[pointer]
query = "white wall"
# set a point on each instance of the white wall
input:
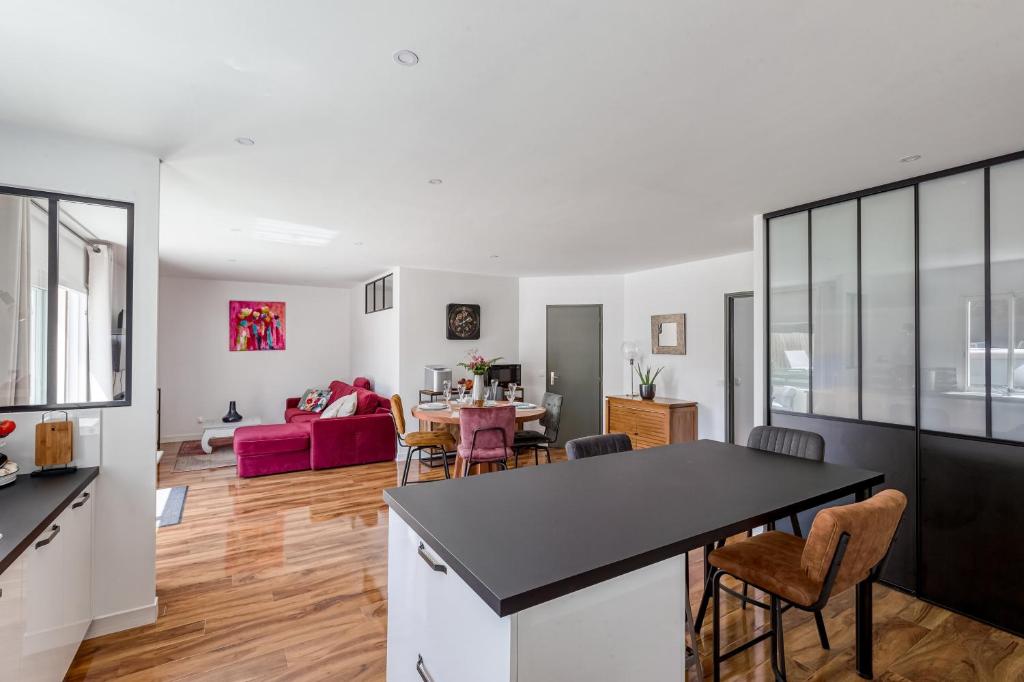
(697, 289)
(536, 293)
(124, 590)
(198, 375)
(424, 297)
(375, 351)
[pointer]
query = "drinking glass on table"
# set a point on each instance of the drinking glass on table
(446, 391)
(462, 392)
(494, 394)
(510, 394)
(513, 386)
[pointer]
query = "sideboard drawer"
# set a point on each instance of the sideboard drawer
(651, 423)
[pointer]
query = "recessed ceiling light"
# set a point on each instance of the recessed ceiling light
(232, 260)
(406, 58)
(236, 229)
(357, 243)
(245, 141)
(910, 159)
(434, 181)
(494, 255)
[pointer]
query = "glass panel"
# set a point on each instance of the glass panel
(389, 286)
(787, 309)
(952, 270)
(92, 278)
(1006, 197)
(369, 298)
(834, 309)
(887, 306)
(24, 281)
(378, 294)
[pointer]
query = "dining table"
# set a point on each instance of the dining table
(432, 418)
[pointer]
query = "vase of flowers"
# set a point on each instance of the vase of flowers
(647, 376)
(477, 365)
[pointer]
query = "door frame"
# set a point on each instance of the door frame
(730, 386)
(600, 352)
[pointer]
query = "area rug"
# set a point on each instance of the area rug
(170, 503)
(192, 458)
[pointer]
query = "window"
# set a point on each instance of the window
(788, 313)
(380, 294)
(65, 297)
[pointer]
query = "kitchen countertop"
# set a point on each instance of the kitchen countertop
(522, 537)
(29, 505)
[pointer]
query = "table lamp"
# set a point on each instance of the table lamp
(630, 353)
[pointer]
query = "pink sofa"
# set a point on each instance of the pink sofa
(305, 441)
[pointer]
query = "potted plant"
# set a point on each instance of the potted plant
(477, 365)
(647, 376)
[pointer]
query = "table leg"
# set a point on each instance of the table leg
(205, 444)
(865, 625)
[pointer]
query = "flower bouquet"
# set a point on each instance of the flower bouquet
(477, 365)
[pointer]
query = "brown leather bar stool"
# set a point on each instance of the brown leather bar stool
(846, 545)
(416, 441)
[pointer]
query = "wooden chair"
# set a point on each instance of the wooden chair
(417, 441)
(846, 545)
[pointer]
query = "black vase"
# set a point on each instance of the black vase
(233, 416)
(647, 391)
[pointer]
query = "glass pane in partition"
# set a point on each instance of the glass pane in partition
(1006, 214)
(369, 297)
(887, 306)
(834, 309)
(952, 271)
(389, 291)
(91, 300)
(24, 301)
(790, 351)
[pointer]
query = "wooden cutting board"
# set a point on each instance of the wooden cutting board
(54, 443)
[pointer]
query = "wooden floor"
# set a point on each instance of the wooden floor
(284, 578)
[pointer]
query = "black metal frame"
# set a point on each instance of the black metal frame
(372, 284)
(913, 183)
(418, 449)
(53, 273)
(730, 383)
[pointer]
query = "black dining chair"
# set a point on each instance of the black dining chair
(541, 440)
(594, 446)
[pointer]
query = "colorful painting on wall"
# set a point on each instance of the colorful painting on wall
(256, 325)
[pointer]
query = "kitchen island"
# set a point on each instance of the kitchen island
(575, 570)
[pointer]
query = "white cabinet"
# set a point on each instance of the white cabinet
(12, 620)
(439, 630)
(57, 598)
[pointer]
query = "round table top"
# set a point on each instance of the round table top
(450, 415)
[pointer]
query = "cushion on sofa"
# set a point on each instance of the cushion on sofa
(339, 389)
(345, 407)
(271, 439)
(366, 401)
(362, 382)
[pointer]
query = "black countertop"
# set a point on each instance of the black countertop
(523, 537)
(29, 505)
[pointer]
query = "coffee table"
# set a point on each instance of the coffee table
(215, 428)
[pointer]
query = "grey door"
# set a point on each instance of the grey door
(739, 380)
(574, 367)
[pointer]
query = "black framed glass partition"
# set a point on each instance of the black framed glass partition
(895, 328)
(65, 301)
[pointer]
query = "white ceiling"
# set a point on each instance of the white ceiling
(571, 137)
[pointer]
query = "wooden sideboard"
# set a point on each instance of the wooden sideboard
(650, 423)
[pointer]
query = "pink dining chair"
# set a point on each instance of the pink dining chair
(486, 435)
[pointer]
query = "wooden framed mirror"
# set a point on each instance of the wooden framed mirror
(668, 334)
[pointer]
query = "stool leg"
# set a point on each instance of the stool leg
(822, 635)
(444, 457)
(716, 660)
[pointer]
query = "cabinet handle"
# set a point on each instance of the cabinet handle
(85, 498)
(421, 668)
(53, 533)
(440, 568)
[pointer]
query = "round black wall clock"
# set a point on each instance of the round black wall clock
(463, 321)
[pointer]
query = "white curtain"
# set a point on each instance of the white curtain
(101, 372)
(15, 300)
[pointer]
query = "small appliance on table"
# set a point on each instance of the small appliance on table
(217, 428)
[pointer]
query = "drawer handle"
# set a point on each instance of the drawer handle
(85, 498)
(53, 533)
(440, 568)
(421, 668)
